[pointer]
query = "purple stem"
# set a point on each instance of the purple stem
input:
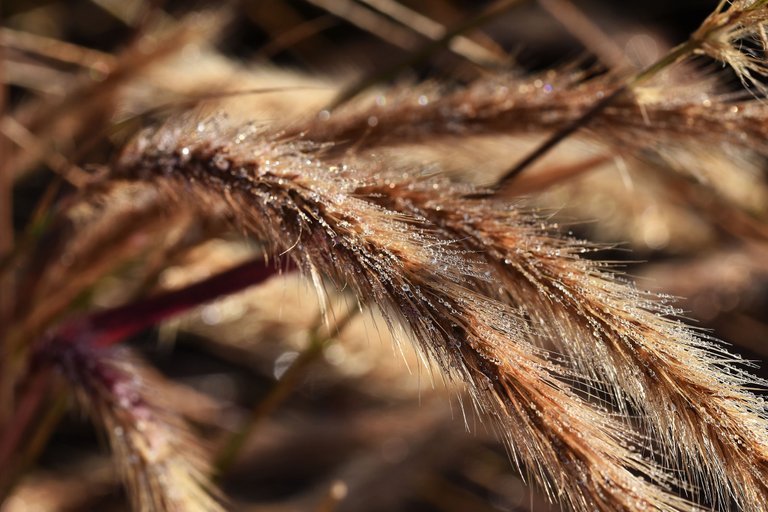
(111, 326)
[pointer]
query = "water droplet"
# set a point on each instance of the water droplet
(283, 362)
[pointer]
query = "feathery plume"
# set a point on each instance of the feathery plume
(159, 460)
(510, 105)
(336, 220)
(735, 34)
(628, 340)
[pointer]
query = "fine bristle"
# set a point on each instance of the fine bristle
(159, 459)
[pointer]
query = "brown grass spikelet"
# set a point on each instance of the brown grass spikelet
(336, 220)
(158, 458)
(735, 34)
(627, 339)
(714, 137)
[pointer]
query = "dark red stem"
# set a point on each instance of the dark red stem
(111, 326)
